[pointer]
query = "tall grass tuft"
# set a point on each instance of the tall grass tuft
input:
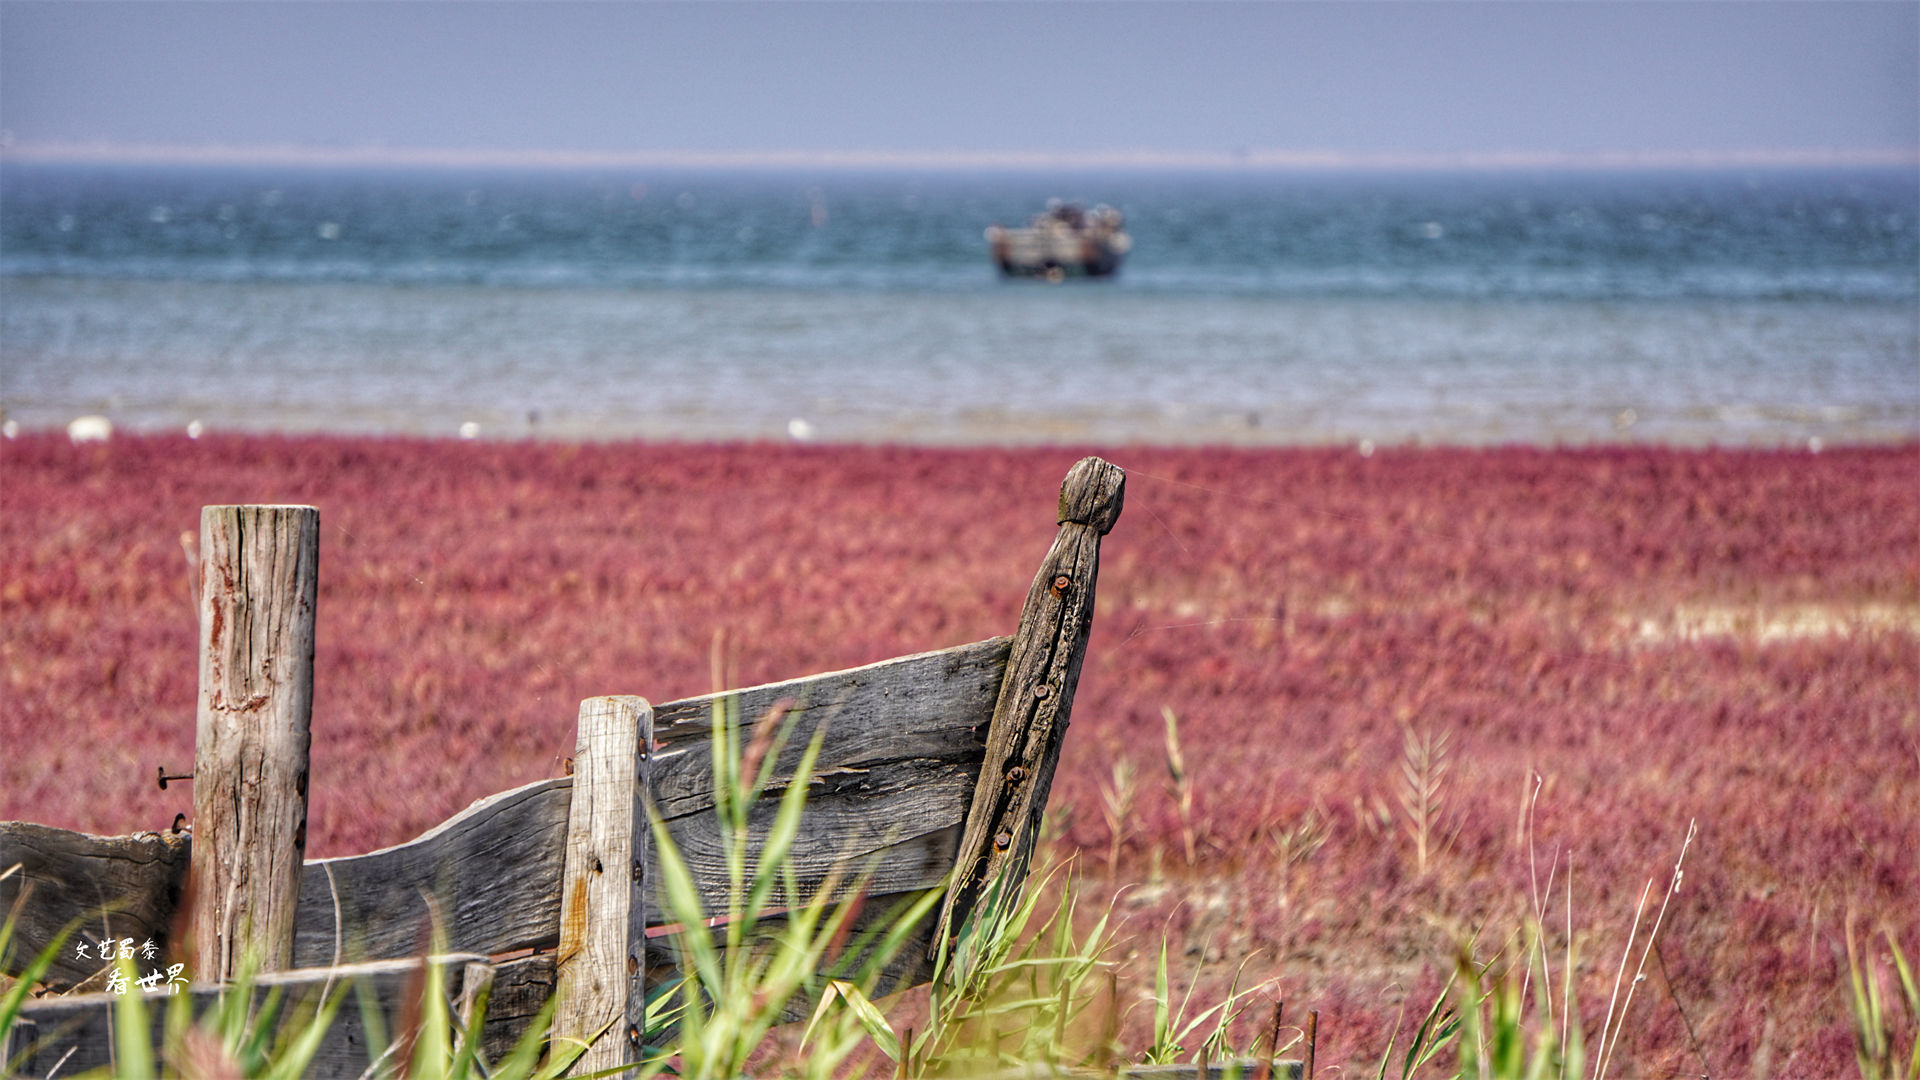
(776, 947)
(1180, 783)
(1116, 808)
(1877, 1030)
(1423, 774)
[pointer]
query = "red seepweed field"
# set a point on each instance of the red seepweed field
(1375, 663)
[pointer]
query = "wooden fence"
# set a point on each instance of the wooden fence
(936, 768)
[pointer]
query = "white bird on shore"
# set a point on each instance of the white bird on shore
(90, 429)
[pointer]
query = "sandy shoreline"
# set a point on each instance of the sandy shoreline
(994, 367)
(1790, 428)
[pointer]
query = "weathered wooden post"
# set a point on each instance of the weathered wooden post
(259, 578)
(602, 959)
(1036, 696)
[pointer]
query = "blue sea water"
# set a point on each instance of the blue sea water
(1769, 307)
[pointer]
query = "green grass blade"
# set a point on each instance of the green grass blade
(132, 1029)
(786, 828)
(432, 1041)
(16, 996)
(521, 1060)
(297, 1058)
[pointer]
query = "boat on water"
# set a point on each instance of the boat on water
(1064, 241)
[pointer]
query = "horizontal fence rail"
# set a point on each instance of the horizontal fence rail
(885, 808)
(70, 1035)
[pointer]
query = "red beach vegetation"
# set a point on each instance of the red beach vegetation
(1410, 696)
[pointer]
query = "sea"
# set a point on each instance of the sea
(1769, 307)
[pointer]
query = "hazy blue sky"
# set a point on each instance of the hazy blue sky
(1580, 76)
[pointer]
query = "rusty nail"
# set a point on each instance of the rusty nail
(633, 1034)
(639, 871)
(177, 819)
(1003, 839)
(1062, 583)
(1042, 691)
(569, 766)
(161, 772)
(1016, 774)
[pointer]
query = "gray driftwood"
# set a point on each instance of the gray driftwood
(259, 579)
(103, 888)
(1036, 697)
(900, 761)
(890, 789)
(492, 871)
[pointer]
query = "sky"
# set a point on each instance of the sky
(1425, 80)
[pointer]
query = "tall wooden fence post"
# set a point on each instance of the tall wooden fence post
(1036, 696)
(602, 960)
(259, 579)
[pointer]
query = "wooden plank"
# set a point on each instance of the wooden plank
(75, 1033)
(520, 990)
(603, 897)
(923, 706)
(910, 965)
(259, 580)
(895, 779)
(72, 878)
(492, 871)
(1036, 698)
(892, 782)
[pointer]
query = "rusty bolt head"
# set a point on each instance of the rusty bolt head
(1003, 839)
(1061, 583)
(1042, 691)
(1016, 774)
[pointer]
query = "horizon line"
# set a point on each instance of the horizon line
(65, 152)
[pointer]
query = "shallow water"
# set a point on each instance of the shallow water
(1682, 309)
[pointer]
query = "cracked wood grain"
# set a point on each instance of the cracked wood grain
(258, 586)
(1035, 700)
